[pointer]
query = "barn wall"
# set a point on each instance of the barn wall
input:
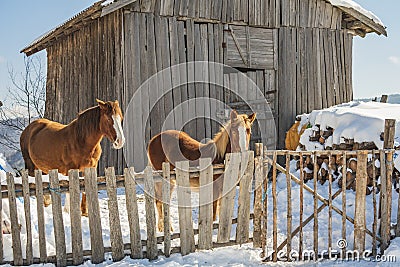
(86, 65)
(315, 71)
(265, 13)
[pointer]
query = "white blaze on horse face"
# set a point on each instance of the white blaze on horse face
(242, 138)
(120, 141)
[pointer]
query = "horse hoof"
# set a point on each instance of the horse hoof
(85, 214)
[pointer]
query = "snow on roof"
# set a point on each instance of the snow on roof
(353, 5)
(361, 121)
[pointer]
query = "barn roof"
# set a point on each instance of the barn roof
(356, 18)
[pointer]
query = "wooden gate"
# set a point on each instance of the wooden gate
(319, 194)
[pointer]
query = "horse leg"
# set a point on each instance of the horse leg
(46, 200)
(67, 203)
(84, 207)
(217, 192)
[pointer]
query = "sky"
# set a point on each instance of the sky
(376, 59)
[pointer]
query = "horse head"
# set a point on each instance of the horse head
(240, 131)
(110, 122)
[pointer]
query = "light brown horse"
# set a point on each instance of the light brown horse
(173, 146)
(48, 145)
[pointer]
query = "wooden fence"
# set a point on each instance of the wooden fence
(362, 224)
(236, 170)
(261, 172)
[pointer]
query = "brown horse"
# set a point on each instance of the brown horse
(173, 146)
(48, 145)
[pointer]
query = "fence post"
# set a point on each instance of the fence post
(359, 215)
(259, 176)
(15, 231)
(40, 214)
(75, 215)
(28, 224)
(58, 222)
(117, 245)
(133, 214)
(151, 247)
(96, 237)
(386, 182)
(166, 193)
(243, 220)
(206, 204)
(230, 179)
(184, 207)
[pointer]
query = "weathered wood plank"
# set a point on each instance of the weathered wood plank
(242, 229)
(330, 234)
(28, 220)
(96, 239)
(15, 231)
(58, 222)
(232, 164)
(75, 215)
(151, 247)
(117, 244)
(344, 188)
(360, 212)
(205, 204)
(274, 210)
(133, 214)
(315, 226)
(40, 214)
(258, 176)
(166, 192)
(289, 206)
(184, 207)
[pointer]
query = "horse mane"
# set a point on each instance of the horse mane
(87, 122)
(221, 140)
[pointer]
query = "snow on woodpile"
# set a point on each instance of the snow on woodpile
(359, 122)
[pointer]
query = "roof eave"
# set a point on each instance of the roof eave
(374, 26)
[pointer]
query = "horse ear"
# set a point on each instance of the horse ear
(233, 115)
(101, 103)
(252, 117)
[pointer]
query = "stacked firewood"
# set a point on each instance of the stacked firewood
(324, 138)
(336, 170)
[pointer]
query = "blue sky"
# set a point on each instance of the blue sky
(376, 59)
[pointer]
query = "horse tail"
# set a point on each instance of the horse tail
(155, 152)
(24, 141)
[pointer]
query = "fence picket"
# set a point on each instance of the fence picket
(258, 175)
(28, 224)
(184, 207)
(230, 179)
(58, 222)
(205, 203)
(359, 214)
(166, 192)
(133, 214)
(96, 238)
(243, 217)
(75, 215)
(15, 231)
(151, 247)
(289, 206)
(40, 214)
(117, 244)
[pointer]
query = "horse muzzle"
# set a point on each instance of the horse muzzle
(119, 143)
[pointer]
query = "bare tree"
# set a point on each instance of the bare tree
(24, 103)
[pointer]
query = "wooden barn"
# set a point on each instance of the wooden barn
(298, 52)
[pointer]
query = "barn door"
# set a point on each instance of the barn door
(243, 97)
(253, 52)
